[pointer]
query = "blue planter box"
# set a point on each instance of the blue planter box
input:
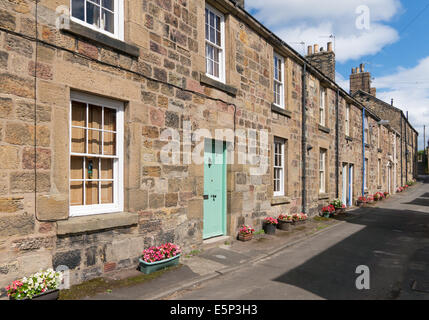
(148, 268)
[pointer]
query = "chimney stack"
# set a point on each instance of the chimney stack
(361, 80)
(310, 50)
(323, 60)
(240, 3)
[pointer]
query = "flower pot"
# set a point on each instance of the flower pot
(299, 222)
(284, 225)
(150, 267)
(48, 295)
(245, 236)
(269, 228)
(361, 204)
(339, 211)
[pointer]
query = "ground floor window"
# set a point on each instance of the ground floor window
(96, 155)
(322, 171)
(279, 162)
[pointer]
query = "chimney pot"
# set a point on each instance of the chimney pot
(362, 67)
(310, 50)
(316, 48)
(353, 70)
(329, 46)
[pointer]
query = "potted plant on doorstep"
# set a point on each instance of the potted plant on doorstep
(328, 211)
(270, 225)
(245, 233)
(157, 258)
(370, 199)
(302, 218)
(285, 222)
(400, 189)
(386, 194)
(42, 285)
(339, 206)
(361, 201)
(376, 197)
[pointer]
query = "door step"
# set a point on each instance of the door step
(216, 242)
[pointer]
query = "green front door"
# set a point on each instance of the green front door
(214, 188)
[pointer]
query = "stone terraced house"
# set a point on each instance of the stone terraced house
(103, 105)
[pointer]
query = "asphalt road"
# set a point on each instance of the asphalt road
(392, 240)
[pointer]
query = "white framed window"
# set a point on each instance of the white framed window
(322, 113)
(347, 124)
(366, 126)
(96, 155)
(279, 67)
(322, 171)
(366, 174)
(379, 172)
(215, 44)
(105, 16)
(279, 167)
(378, 136)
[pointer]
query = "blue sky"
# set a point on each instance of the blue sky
(393, 43)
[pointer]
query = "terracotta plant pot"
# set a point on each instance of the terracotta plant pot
(270, 228)
(361, 204)
(245, 236)
(284, 225)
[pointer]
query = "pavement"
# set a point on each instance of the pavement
(317, 261)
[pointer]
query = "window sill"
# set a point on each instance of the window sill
(96, 222)
(218, 85)
(100, 38)
(279, 110)
(349, 138)
(277, 200)
(323, 196)
(324, 129)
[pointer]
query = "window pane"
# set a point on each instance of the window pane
(91, 193)
(108, 21)
(109, 143)
(78, 114)
(93, 14)
(76, 168)
(92, 168)
(107, 192)
(94, 142)
(78, 140)
(109, 119)
(95, 119)
(109, 4)
(78, 10)
(76, 193)
(106, 168)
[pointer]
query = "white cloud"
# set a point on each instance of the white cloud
(410, 90)
(311, 21)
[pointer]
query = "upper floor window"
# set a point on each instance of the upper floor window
(322, 116)
(347, 124)
(215, 44)
(379, 136)
(279, 96)
(105, 16)
(96, 155)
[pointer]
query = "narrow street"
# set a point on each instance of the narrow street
(392, 240)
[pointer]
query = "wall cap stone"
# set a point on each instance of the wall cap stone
(96, 222)
(281, 111)
(100, 38)
(218, 85)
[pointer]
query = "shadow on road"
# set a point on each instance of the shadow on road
(394, 244)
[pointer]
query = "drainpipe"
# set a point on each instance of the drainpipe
(337, 145)
(304, 139)
(363, 153)
(402, 155)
